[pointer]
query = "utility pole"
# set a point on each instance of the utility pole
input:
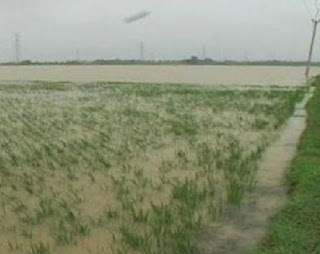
(141, 50)
(17, 47)
(315, 22)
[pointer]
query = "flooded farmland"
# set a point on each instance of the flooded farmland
(217, 75)
(131, 168)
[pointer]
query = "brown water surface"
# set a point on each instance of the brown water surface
(241, 229)
(217, 75)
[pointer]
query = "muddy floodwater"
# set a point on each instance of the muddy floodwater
(215, 75)
(242, 229)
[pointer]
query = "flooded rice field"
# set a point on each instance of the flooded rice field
(132, 168)
(241, 228)
(217, 75)
(103, 167)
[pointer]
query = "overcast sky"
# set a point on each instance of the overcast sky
(230, 29)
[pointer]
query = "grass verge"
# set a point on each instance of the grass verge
(296, 229)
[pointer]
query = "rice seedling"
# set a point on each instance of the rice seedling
(127, 168)
(40, 248)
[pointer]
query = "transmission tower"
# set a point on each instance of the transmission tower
(246, 56)
(204, 51)
(17, 47)
(77, 52)
(141, 50)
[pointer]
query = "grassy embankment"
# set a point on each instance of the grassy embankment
(296, 229)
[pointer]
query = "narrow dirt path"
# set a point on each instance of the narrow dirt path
(241, 229)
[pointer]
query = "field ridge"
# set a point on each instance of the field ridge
(296, 228)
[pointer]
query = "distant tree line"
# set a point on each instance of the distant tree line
(193, 60)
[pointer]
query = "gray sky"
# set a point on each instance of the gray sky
(230, 29)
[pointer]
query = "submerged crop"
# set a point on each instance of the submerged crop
(126, 168)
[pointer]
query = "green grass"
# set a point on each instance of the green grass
(296, 229)
(136, 168)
